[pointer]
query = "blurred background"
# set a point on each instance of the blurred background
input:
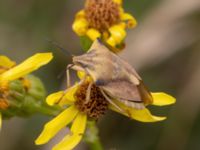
(164, 49)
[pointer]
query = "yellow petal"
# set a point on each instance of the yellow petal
(142, 115)
(79, 124)
(54, 98)
(105, 35)
(121, 10)
(93, 34)
(55, 125)
(69, 96)
(80, 26)
(63, 97)
(81, 74)
(111, 41)
(6, 62)
(29, 65)
(118, 33)
(80, 14)
(0, 121)
(129, 20)
(118, 1)
(162, 99)
(77, 130)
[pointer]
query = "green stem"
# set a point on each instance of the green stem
(96, 145)
(92, 136)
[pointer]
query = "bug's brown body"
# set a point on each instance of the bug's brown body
(114, 75)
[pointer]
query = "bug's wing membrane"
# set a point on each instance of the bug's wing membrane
(145, 94)
(131, 95)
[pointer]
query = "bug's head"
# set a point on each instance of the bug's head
(91, 58)
(83, 61)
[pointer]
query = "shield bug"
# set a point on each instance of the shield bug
(114, 76)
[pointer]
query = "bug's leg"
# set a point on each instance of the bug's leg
(111, 101)
(74, 67)
(77, 68)
(61, 98)
(132, 104)
(82, 80)
(68, 75)
(88, 92)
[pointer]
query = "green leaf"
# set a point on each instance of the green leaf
(85, 43)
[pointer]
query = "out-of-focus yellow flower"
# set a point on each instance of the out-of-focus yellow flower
(78, 111)
(104, 17)
(9, 71)
(29, 65)
(118, 1)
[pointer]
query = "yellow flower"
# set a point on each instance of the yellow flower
(71, 114)
(78, 111)
(9, 71)
(29, 65)
(104, 17)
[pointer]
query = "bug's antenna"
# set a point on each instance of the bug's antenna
(55, 44)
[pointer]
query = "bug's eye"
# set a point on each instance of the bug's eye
(100, 82)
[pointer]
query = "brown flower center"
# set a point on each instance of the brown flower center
(3, 97)
(97, 105)
(101, 14)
